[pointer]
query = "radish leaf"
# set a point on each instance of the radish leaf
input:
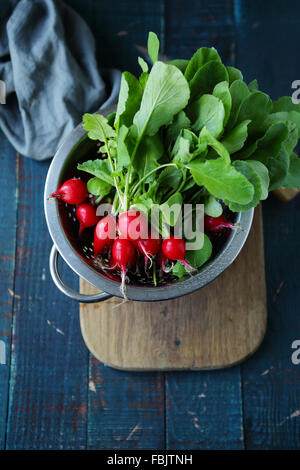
(207, 78)
(278, 169)
(207, 111)
(153, 46)
(234, 74)
(98, 127)
(129, 99)
(123, 159)
(206, 138)
(179, 270)
(222, 92)
(223, 181)
(99, 168)
(181, 64)
(292, 179)
(239, 92)
(212, 207)
(198, 257)
(244, 169)
(262, 172)
(165, 94)
(180, 121)
(98, 187)
(236, 138)
(143, 64)
(200, 58)
(171, 217)
(150, 151)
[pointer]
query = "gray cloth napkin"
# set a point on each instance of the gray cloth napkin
(48, 64)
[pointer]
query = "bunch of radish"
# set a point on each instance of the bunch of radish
(124, 236)
(216, 224)
(75, 193)
(134, 235)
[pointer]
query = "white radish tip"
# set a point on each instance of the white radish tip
(187, 266)
(169, 269)
(123, 284)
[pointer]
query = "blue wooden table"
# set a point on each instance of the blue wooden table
(53, 393)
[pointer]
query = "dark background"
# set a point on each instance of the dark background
(53, 393)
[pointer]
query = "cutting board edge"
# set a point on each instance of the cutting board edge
(175, 368)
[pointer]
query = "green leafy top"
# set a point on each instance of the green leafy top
(193, 131)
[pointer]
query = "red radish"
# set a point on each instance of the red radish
(149, 247)
(73, 192)
(86, 215)
(123, 253)
(113, 264)
(133, 225)
(162, 260)
(174, 249)
(105, 233)
(216, 224)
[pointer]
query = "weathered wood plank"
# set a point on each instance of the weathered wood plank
(48, 388)
(126, 410)
(204, 410)
(268, 35)
(121, 26)
(8, 216)
(271, 382)
(267, 38)
(193, 24)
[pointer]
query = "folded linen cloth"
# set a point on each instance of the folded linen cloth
(49, 67)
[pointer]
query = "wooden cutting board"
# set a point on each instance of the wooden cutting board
(218, 326)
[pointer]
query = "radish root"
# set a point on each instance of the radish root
(187, 266)
(123, 284)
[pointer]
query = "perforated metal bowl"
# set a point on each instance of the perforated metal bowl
(72, 150)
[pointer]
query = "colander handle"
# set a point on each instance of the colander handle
(87, 299)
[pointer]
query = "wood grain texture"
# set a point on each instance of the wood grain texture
(192, 24)
(204, 410)
(8, 216)
(271, 383)
(267, 33)
(126, 410)
(121, 27)
(49, 362)
(217, 326)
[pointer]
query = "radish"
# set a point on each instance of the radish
(123, 253)
(216, 224)
(149, 247)
(113, 264)
(73, 192)
(162, 260)
(86, 215)
(105, 233)
(132, 225)
(174, 250)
